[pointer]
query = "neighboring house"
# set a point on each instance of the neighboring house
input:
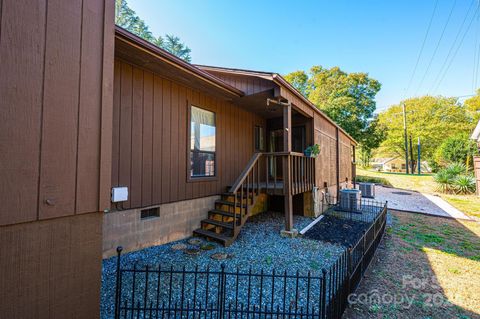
(87, 107)
(395, 165)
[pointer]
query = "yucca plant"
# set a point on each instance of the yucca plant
(444, 181)
(464, 184)
(455, 169)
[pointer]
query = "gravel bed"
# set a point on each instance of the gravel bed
(259, 247)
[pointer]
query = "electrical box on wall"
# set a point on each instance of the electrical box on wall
(119, 194)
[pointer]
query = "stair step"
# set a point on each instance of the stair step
(212, 235)
(222, 212)
(226, 202)
(218, 223)
(228, 194)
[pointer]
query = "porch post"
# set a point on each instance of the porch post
(287, 147)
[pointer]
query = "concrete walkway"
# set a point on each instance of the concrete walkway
(413, 201)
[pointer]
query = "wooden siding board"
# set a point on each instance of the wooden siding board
(22, 53)
(166, 142)
(117, 82)
(107, 106)
(157, 140)
(60, 109)
(174, 149)
(125, 131)
(88, 162)
(182, 143)
(137, 138)
(147, 142)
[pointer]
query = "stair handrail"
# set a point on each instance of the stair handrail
(246, 171)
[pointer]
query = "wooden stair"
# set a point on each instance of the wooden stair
(226, 220)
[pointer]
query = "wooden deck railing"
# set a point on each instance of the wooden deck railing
(245, 189)
(302, 172)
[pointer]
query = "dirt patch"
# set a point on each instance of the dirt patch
(336, 230)
(425, 267)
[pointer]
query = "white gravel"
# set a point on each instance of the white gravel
(413, 201)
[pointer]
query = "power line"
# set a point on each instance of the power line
(421, 48)
(458, 48)
(476, 58)
(452, 46)
(436, 47)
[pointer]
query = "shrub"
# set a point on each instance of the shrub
(456, 149)
(444, 181)
(372, 179)
(455, 169)
(464, 184)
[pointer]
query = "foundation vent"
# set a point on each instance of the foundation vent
(150, 213)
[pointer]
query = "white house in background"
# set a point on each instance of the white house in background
(388, 164)
(395, 165)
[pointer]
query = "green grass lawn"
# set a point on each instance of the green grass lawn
(469, 204)
(432, 262)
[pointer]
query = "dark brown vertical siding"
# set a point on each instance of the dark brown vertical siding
(56, 66)
(125, 134)
(157, 140)
(147, 142)
(155, 168)
(60, 109)
(137, 138)
(89, 123)
(117, 82)
(22, 54)
(325, 136)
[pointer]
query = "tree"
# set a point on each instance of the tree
(173, 45)
(458, 148)
(432, 119)
(347, 98)
(472, 106)
(126, 18)
(377, 134)
(299, 80)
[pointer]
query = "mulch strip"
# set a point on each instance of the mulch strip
(336, 230)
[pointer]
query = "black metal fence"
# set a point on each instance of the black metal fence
(156, 292)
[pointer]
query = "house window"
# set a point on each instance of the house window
(259, 139)
(202, 143)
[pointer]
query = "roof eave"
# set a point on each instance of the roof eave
(167, 57)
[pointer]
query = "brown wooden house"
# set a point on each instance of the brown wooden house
(202, 148)
(90, 111)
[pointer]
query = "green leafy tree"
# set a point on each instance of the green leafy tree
(173, 45)
(126, 18)
(432, 119)
(472, 107)
(299, 80)
(456, 149)
(347, 98)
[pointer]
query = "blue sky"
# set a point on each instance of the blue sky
(382, 38)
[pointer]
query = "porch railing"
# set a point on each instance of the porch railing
(301, 177)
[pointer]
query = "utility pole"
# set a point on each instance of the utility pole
(412, 164)
(418, 154)
(405, 136)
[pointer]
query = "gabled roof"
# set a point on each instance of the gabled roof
(279, 80)
(146, 54)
